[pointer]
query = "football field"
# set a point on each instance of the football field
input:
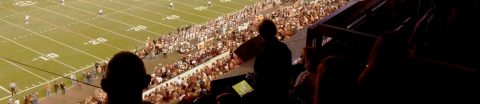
(67, 39)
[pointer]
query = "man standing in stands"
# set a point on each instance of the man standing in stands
(121, 89)
(272, 66)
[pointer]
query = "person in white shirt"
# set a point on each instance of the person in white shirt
(10, 101)
(27, 19)
(209, 3)
(73, 78)
(13, 88)
(62, 2)
(100, 12)
(171, 5)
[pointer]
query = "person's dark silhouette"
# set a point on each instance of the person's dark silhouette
(125, 79)
(272, 66)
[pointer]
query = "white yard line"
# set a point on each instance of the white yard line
(81, 51)
(25, 70)
(35, 51)
(94, 25)
(70, 31)
(102, 17)
(153, 12)
(133, 15)
(222, 5)
(35, 10)
(153, 3)
(41, 84)
(214, 11)
(4, 89)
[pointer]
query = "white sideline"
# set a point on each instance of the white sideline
(153, 12)
(67, 30)
(25, 70)
(4, 89)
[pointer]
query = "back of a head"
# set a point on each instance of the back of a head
(336, 79)
(125, 75)
(267, 29)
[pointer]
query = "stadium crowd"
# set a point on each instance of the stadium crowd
(228, 34)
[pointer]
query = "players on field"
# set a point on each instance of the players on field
(100, 12)
(27, 19)
(171, 5)
(209, 3)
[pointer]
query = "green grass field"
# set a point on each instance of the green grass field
(68, 39)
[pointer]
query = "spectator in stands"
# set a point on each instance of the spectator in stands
(228, 98)
(337, 78)
(125, 79)
(272, 66)
(306, 82)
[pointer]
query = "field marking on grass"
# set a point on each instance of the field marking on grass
(68, 30)
(25, 70)
(94, 25)
(213, 4)
(239, 3)
(133, 15)
(81, 51)
(39, 85)
(99, 17)
(96, 17)
(34, 10)
(21, 91)
(214, 11)
(4, 89)
(153, 3)
(153, 12)
(34, 51)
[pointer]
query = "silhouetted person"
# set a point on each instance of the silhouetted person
(125, 79)
(306, 82)
(272, 66)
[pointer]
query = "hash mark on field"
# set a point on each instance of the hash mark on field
(4, 89)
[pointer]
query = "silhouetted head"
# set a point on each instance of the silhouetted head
(125, 79)
(267, 30)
